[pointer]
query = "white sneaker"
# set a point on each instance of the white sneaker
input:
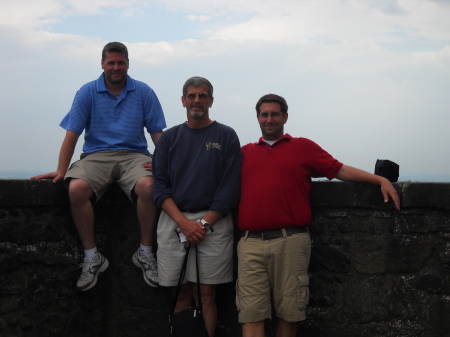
(149, 268)
(90, 272)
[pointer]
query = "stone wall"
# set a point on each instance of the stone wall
(374, 271)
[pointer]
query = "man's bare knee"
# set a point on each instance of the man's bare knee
(80, 190)
(143, 187)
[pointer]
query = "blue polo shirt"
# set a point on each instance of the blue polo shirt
(112, 123)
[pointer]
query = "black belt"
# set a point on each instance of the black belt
(276, 233)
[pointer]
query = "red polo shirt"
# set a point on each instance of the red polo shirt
(276, 181)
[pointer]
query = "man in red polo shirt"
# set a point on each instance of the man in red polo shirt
(274, 210)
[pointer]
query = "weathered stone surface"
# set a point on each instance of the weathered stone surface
(333, 193)
(407, 255)
(370, 196)
(426, 195)
(370, 256)
(437, 317)
(374, 271)
(436, 283)
(10, 303)
(331, 255)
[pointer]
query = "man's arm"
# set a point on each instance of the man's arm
(65, 156)
(155, 136)
(155, 139)
(348, 173)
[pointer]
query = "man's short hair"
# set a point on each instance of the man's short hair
(114, 47)
(197, 81)
(272, 98)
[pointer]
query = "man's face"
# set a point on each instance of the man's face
(271, 120)
(197, 101)
(115, 67)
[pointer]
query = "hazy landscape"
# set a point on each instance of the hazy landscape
(23, 174)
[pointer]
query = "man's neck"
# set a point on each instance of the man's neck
(115, 88)
(271, 141)
(200, 123)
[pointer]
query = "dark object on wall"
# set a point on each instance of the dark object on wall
(387, 169)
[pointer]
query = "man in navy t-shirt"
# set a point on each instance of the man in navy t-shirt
(197, 168)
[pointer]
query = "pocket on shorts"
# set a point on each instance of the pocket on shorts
(302, 291)
(238, 298)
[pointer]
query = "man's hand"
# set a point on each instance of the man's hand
(148, 166)
(53, 175)
(193, 230)
(349, 173)
(389, 191)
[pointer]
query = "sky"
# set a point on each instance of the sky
(365, 79)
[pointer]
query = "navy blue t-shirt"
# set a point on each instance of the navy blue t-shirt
(198, 168)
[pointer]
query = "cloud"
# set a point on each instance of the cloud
(29, 14)
(201, 18)
(362, 78)
(89, 7)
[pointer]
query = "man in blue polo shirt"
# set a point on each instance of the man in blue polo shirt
(113, 112)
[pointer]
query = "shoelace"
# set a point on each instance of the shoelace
(85, 267)
(147, 261)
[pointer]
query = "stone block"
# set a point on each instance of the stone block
(405, 255)
(444, 254)
(332, 193)
(10, 303)
(32, 192)
(333, 256)
(426, 195)
(370, 256)
(436, 283)
(14, 282)
(370, 196)
(437, 315)
(421, 221)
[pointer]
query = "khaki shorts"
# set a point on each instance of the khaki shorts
(278, 268)
(101, 169)
(215, 252)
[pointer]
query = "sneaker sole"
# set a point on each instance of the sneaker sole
(104, 266)
(149, 282)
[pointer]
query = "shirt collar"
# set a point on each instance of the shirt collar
(286, 137)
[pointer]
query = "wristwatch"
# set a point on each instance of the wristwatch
(205, 224)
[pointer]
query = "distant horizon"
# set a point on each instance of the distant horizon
(437, 178)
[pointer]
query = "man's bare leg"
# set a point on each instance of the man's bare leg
(208, 294)
(80, 195)
(185, 299)
(146, 209)
(286, 329)
(255, 329)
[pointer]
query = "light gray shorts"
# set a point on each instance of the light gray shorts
(215, 252)
(101, 169)
(277, 270)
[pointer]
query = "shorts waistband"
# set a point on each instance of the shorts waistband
(193, 210)
(276, 233)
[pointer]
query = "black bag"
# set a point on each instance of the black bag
(387, 169)
(188, 322)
